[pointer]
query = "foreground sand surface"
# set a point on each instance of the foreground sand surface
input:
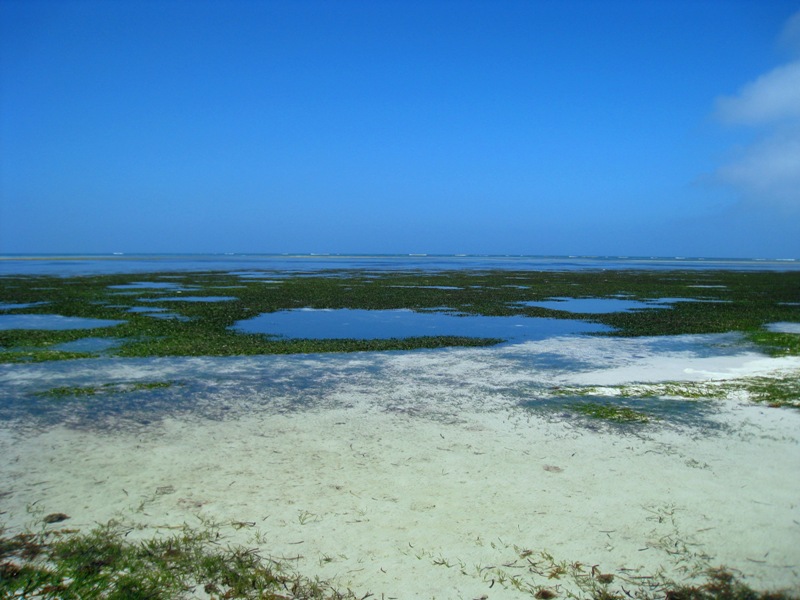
(428, 474)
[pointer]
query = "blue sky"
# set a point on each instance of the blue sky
(665, 127)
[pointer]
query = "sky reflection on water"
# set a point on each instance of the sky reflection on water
(404, 323)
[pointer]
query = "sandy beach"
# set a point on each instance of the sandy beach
(427, 474)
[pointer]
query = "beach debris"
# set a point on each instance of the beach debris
(55, 518)
(600, 576)
(191, 503)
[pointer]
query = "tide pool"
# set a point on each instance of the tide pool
(404, 323)
(53, 322)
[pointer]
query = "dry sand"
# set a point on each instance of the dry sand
(419, 475)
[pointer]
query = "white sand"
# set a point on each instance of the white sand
(405, 484)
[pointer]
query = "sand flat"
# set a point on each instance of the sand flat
(423, 477)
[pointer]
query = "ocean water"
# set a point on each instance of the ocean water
(68, 265)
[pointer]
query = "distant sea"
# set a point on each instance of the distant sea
(96, 264)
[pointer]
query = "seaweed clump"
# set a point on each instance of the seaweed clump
(66, 564)
(723, 585)
(608, 412)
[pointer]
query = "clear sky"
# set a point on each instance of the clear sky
(625, 127)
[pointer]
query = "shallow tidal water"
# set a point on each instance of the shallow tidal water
(512, 375)
(404, 323)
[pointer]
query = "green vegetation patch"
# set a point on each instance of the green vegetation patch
(608, 412)
(66, 565)
(777, 344)
(29, 356)
(779, 390)
(773, 391)
(687, 390)
(106, 388)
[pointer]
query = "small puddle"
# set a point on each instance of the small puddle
(90, 344)
(427, 287)
(597, 306)
(53, 322)
(674, 300)
(190, 299)
(262, 277)
(783, 327)
(14, 306)
(147, 285)
(157, 312)
(594, 306)
(404, 323)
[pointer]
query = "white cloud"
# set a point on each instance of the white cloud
(790, 36)
(767, 172)
(772, 97)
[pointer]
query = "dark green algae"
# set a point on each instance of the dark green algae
(712, 302)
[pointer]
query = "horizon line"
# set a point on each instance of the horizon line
(418, 255)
